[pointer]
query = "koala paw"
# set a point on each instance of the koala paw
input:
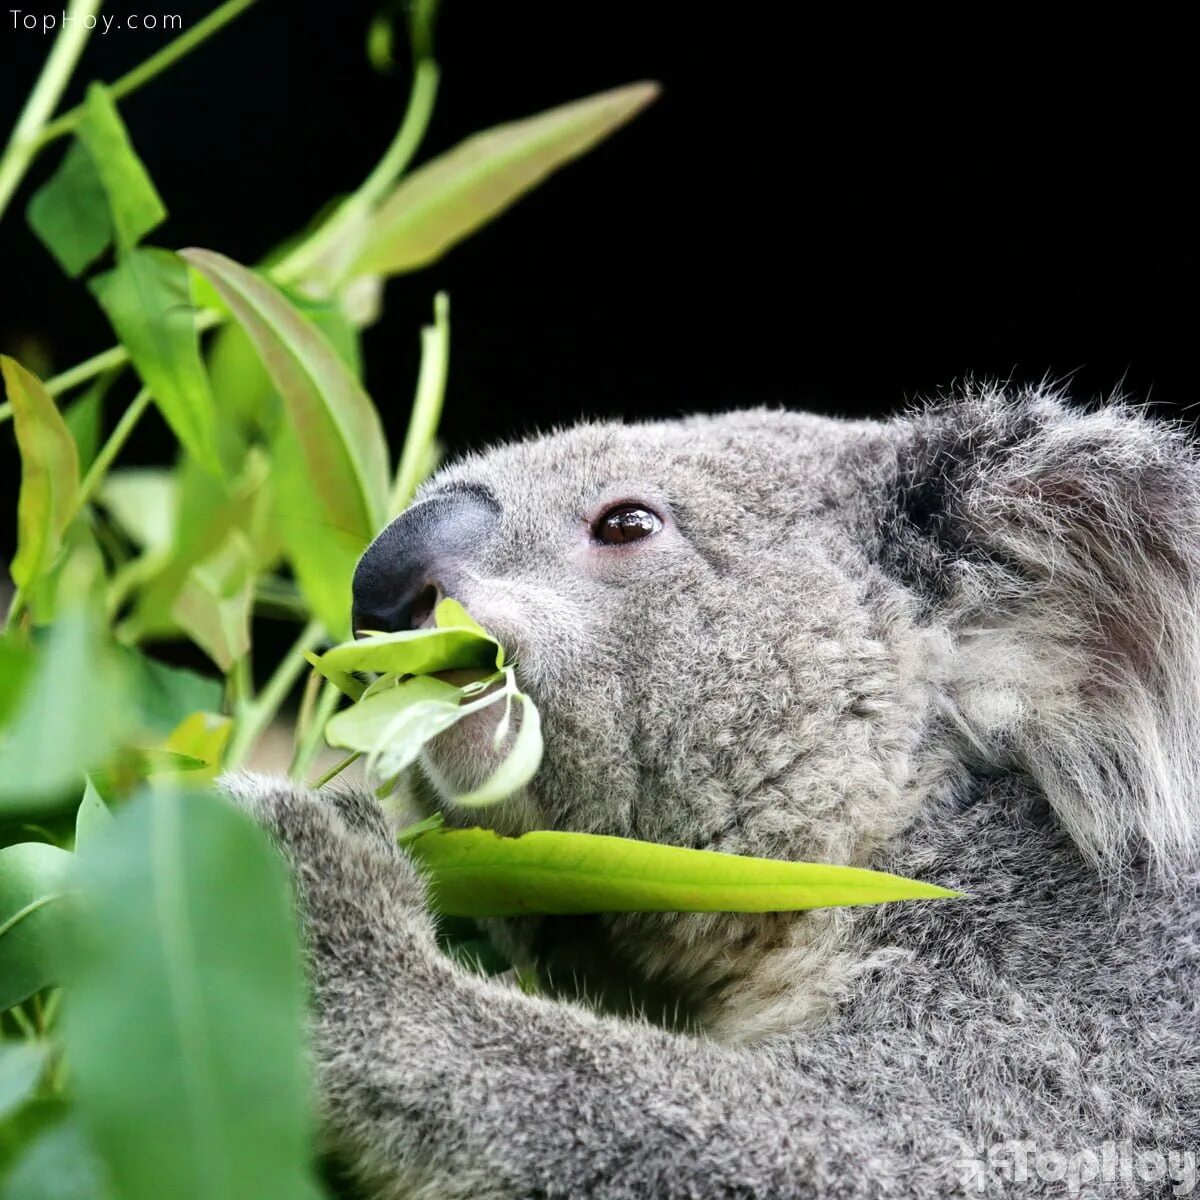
(359, 897)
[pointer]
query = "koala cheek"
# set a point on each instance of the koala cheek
(543, 630)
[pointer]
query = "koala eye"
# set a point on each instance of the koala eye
(626, 523)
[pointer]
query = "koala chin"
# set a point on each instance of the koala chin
(961, 645)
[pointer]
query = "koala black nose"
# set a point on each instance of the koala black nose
(420, 558)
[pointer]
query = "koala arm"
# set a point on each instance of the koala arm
(437, 1082)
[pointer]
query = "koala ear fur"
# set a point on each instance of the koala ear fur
(1061, 549)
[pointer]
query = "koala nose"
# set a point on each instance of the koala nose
(420, 558)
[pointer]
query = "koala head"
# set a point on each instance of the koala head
(774, 633)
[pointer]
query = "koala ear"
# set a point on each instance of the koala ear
(1062, 551)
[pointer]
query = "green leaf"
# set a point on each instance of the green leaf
(148, 301)
(16, 663)
(70, 716)
(132, 200)
(49, 473)
(215, 605)
(419, 456)
(162, 696)
(56, 1163)
(417, 652)
(395, 717)
(32, 879)
(84, 419)
(184, 1014)
(344, 682)
(399, 720)
(202, 736)
(21, 1066)
(447, 199)
(330, 456)
(477, 873)
(92, 820)
(69, 212)
(142, 501)
(208, 509)
(519, 765)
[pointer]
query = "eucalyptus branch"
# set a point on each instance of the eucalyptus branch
(24, 142)
(308, 737)
(112, 447)
(262, 711)
(427, 407)
(302, 258)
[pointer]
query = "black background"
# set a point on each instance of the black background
(840, 211)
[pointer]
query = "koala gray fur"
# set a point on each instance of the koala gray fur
(962, 645)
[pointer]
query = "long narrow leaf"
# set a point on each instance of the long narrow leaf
(331, 457)
(49, 473)
(449, 198)
(70, 714)
(477, 873)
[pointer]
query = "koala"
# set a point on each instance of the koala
(961, 645)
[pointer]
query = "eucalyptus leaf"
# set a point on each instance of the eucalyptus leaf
(32, 883)
(184, 1015)
(330, 456)
(417, 652)
(163, 695)
(405, 707)
(148, 301)
(69, 212)
(70, 717)
(214, 607)
(85, 418)
(443, 202)
(56, 1163)
(92, 819)
(208, 510)
(520, 763)
(399, 720)
(477, 873)
(49, 473)
(419, 456)
(203, 737)
(16, 663)
(142, 501)
(21, 1066)
(342, 680)
(133, 202)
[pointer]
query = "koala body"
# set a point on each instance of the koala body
(962, 645)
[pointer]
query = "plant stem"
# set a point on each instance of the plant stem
(15, 607)
(23, 144)
(427, 406)
(335, 770)
(112, 447)
(261, 712)
(395, 160)
(310, 741)
(308, 701)
(170, 54)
